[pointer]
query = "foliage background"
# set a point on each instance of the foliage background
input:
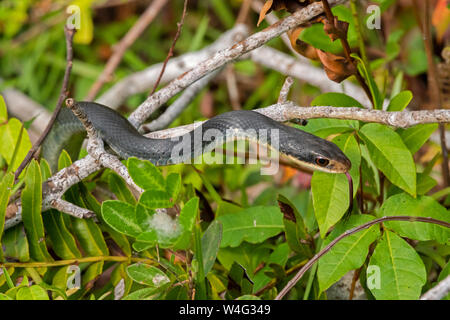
(228, 233)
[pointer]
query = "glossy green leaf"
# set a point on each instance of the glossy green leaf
(336, 99)
(121, 217)
(415, 137)
(62, 240)
(31, 213)
(400, 101)
(326, 127)
(9, 135)
(188, 214)
(210, 245)
(92, 273)
(390, 155)
(348, 254)
(253, 225)
(34, 292)
(146, 175)
(154, 199)
(46, 172)
(173, 186)
(401, 271)
(120, 189)
(422, 206)
(90, 237)
(148, 275)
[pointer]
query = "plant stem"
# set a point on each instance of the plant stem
(347, 233)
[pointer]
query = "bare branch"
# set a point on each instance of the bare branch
(55, 187)
(119, 50)
(439, 291)
(223, 57)
(142, 81)
(175, 109)
(285, 90)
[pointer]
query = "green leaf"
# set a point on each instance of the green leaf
(90, 237)
(348, 254)
(390, 155)
(121, 217)
(3, 111)
(423, 206)
(120, 189)
(336, 99)
(142, 294)
(188, 214)
(253, 225)
(330, 198)
(34, 292)
(5, 190)
(62, 240)
(325, 127)
(294, 227)
(401, 271)
(400, 101)
(210, 245)
(248, 255)
(425, 183)
(15, 244)
(173, 186)
(154, 199)
(4, 297)
(147, 275)
(9, 136)
(146, 175)
(46, 172)
(415, 137)
(248, 297)
(31, 213)
(375, 92)
(278, 257)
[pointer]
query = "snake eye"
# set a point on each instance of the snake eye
(322, 162)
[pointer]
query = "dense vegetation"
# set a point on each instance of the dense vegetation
(229, 232)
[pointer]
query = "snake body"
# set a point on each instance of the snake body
(300, 148)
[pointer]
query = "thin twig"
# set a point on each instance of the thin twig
(433, 82)
(170, 54)
(283, 97)
(156, 100)
(69, 33)
(119, 50)
(347, 233)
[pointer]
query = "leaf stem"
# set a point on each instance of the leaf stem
(347, 233)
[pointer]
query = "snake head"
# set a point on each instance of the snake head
(307, 151)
